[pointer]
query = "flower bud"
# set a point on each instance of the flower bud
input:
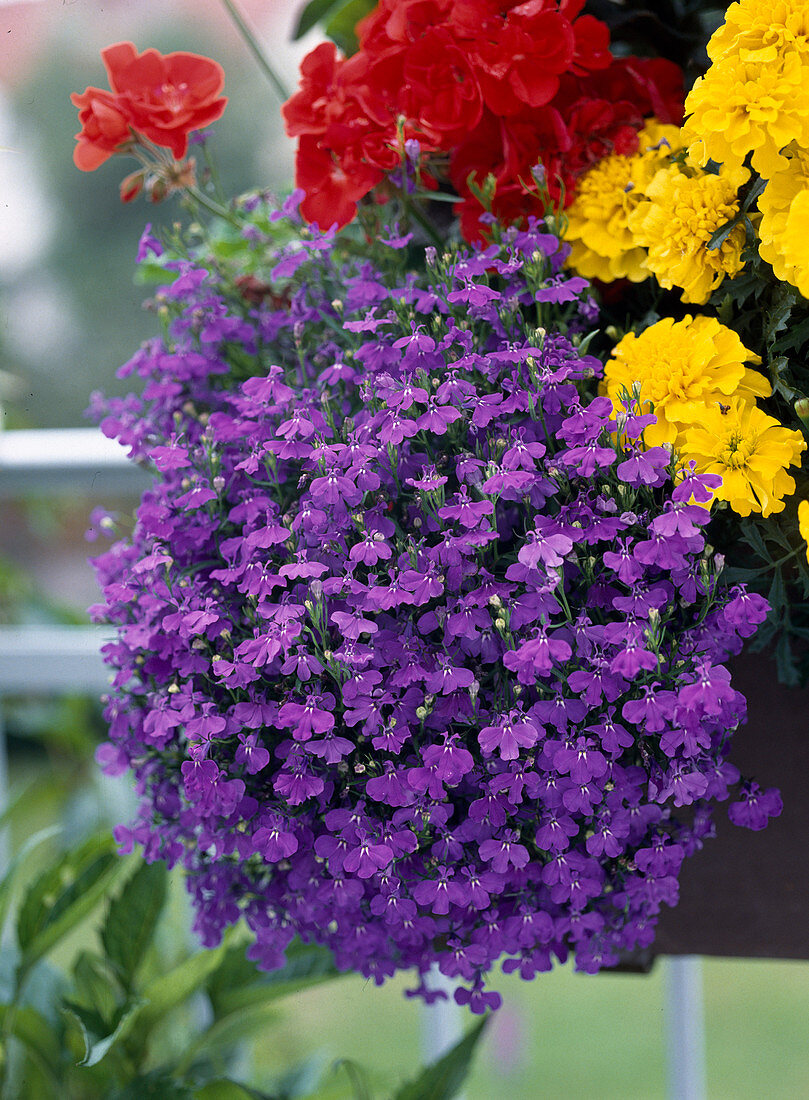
(801, 407)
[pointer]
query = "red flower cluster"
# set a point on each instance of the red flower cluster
(495, 84)
(162, 97)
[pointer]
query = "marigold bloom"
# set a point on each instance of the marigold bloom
(758, 30)
(749, 450)
(803, 523)
(776, 204)
(793, 245)
(742, 107)
(602, 244)
(676, 220)
(677, 368)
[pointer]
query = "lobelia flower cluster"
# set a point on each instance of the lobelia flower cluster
(420, 650)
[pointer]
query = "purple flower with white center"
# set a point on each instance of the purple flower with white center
(414, 652)
(514, 731)
(469, 513)
(755, 807)
(548, 545)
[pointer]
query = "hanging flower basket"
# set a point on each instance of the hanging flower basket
(747, 895)
(423, 630)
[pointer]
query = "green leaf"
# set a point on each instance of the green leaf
(784, 300)
(223, 1037)
(133, 917)
(158, 1085)
(64, 894)
(98, 1041)
(36, 1034)
(443, 1078)
(21, 860)
(796, 337)
(777, 595)
(238, 982)
(754, 538)
(719, 237)
(96, 986)
(341, 26)
(170, 990)
(357, 1076)
(316, 11)
(225, 1089)
(785, 662)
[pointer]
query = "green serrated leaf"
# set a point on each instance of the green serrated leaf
(796, 337)
(133, 917)
(64, 894)
(777, 595)
(719, 237)
(784, 300)
(341, 26)
(754, 538)
(443, 1078)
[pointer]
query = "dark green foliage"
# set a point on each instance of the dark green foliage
(675, 29)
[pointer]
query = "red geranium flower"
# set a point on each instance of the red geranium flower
(104, 128)
(165, 96)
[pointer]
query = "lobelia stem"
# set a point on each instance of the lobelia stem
(252, 43)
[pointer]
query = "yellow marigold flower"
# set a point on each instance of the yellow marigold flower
(775, 205)
(741, 107)
(602, 245)
(749, 450)
(759, 30)
(803, 523)
(675, 222)
(793, 243)
(676, 368)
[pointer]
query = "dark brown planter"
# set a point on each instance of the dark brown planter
(746, 893)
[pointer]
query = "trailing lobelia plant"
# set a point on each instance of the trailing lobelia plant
(420, 648)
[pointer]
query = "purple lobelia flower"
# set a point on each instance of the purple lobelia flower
(415, 655)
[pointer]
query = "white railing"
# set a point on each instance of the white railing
(52, 659)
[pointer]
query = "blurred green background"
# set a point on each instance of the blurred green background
(71, 313)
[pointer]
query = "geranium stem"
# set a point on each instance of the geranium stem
(252, 43)
(212, 206)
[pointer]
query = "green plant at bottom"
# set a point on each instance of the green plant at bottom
(122, 1023)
